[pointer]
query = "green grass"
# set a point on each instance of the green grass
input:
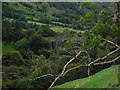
(38, 23)
(28, 16)
(102, 79)
(9, 19)
(58, 23)
(61, 29)
(54, 28)
(7, 48)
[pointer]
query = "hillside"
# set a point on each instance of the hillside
(42, 41)
(53, 14)
(104, 79)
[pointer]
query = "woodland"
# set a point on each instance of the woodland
(46, 44)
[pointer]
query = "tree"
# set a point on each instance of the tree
(45, 6)
(115, 30)
(11, 31)
(103, 16)
(102, 29)
(37, 43)
(45, 31)
(24, 48)
(87, 21)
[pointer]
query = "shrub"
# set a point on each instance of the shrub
(5, 59)
(13, 58)
(16, 58)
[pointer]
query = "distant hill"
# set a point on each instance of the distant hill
(53, 13)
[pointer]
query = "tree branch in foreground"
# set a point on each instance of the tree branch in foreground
(111, 43)
(89, 58)
(110, 53)
(107, 61)
(93, 62)
(64, 69)
(42, 76)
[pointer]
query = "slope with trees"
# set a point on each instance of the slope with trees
(31, 63)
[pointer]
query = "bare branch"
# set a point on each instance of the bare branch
(104, 56)
(89, 58)
(54, 81)
(107, 61)
(88, 65)
(111, 43)
(73, 69)
(42, 76)
(71, 61)
(88, 71)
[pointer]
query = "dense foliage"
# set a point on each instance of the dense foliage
(37, 48)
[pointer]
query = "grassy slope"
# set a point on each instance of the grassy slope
(22, 8)
(61, 29)
(102, 79)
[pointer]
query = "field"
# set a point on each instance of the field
(61, 29)
(55, 28)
